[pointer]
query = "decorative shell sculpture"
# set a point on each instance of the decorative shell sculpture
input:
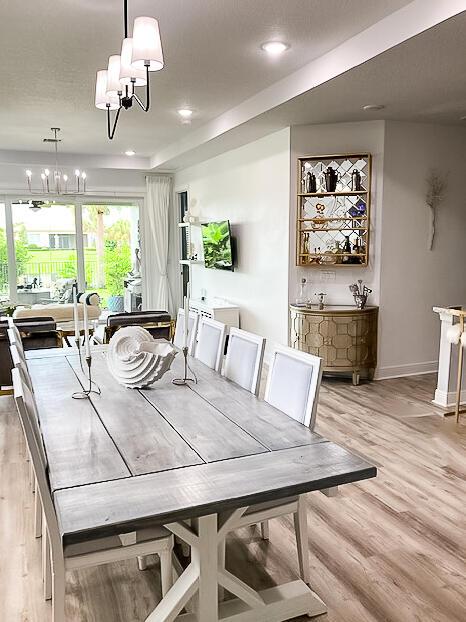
(136, 359)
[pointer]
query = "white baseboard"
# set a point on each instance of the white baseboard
(447, 399)
(408, 369)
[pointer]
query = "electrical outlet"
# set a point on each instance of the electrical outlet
(327, 275)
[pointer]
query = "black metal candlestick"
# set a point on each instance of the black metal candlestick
(185, 379)
(81, 395)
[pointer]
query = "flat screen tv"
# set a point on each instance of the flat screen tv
(216, 240)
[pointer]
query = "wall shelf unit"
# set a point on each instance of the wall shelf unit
(332, 227)
(189, 254)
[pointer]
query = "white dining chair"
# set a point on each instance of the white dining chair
(293, 384)
(243, 360)
(210, 342)
(31, 412)
(14, 337)
(21, 363)
(178, 339)
(60, 556)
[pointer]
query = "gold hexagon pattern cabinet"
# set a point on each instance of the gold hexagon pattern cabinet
(344, 337)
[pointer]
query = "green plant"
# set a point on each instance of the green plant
(217, 248)
(117, 266)
(68, 270)
(119, 232)
(21, 253)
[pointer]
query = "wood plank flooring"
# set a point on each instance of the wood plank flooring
(392, 549)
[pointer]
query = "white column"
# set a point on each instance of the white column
(447, 365)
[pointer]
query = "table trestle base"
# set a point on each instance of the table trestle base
(206, 575)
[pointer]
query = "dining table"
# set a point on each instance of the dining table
(193, 458)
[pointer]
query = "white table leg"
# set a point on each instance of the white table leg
(205, 556)
(206, 574)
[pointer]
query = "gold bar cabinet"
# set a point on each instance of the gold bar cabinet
(345, 337)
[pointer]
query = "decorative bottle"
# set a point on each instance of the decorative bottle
(303, 293)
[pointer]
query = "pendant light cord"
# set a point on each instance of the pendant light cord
(125, 13)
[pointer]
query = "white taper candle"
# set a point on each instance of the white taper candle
(87, 344)
(75, 313)
(186, 322)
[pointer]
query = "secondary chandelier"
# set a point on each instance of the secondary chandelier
(140, 54)
(56, 182)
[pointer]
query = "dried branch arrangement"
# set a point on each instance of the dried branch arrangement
(436, 188)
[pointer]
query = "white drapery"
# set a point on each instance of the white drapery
(156, 239)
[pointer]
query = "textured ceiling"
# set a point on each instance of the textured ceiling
(50, 50)
(421, 80)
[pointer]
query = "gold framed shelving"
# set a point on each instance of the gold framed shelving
(333, 227)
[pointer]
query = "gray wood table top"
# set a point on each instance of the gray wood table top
(129, 458)
(79, 448)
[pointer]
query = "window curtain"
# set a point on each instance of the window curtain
(156, 239)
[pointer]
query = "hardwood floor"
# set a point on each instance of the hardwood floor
(392, 549)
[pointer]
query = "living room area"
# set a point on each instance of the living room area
(232, 311)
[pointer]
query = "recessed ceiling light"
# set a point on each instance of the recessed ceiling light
(371, 107)
(185, 113)
(130, 152)
(274, 48)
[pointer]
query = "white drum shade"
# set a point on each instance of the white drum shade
(147, 45)
(101, 97)
(114, 85)
(127, 71)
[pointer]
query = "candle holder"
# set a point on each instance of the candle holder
(185, 380)
(85, 394)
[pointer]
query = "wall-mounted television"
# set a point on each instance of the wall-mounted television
(217, 244)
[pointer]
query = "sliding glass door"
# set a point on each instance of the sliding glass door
(112, 254)
(45, 251)
(46, 245)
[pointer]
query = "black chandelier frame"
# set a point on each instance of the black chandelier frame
(126, 97)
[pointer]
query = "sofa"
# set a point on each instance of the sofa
(60, 313)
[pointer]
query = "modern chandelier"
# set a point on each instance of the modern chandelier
(140, 54)
(57, 182)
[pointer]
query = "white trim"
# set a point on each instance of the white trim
(447, 399)
(10, 242)
(407, 369)
(175, 250)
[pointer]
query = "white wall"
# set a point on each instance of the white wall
(339, 138)
(250, 187)
(414, 279)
